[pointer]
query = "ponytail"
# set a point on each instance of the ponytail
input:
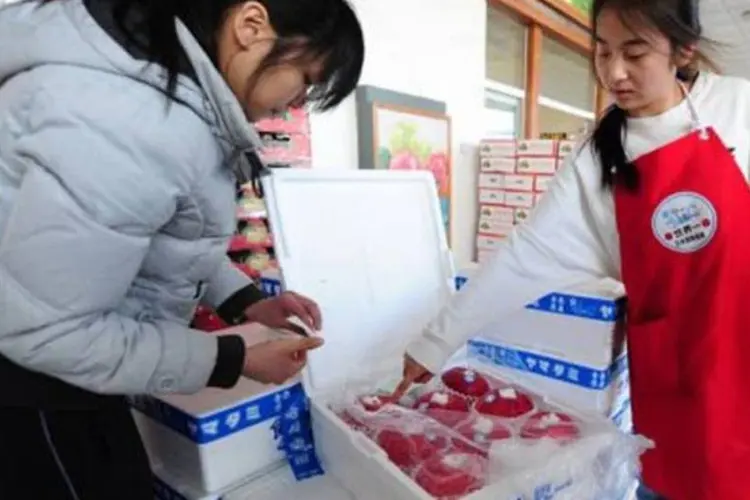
(607, 140)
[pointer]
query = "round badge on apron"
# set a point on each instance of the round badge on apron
(685, 222)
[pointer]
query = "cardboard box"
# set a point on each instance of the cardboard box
(518, 182)
(491, 181)
(492, 228)
(496, 213)
(498, 149)
(537, 147)
(544, 165)
(498, 165)
(520, 200)
(496, 196)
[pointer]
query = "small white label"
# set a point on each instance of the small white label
(550, 420)
(508, 393)
(483, 425)
(455, 461)
(439, 398)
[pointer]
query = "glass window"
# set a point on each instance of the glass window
(506, 48)
(502, 116)
(556, 122)
(566, 76)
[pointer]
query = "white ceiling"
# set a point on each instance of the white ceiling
(727, 22)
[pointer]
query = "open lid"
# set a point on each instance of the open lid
(370, 247)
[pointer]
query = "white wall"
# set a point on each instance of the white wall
(429, 48)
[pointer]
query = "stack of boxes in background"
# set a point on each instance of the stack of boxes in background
(513, 177)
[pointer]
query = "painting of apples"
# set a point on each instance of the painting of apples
(407, 139)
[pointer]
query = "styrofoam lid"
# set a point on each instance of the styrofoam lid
(370, 247)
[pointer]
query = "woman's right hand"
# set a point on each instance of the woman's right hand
(276, 361)
(414, 373)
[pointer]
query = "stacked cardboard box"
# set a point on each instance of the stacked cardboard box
(513, 176)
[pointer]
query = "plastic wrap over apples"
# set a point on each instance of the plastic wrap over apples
(468, 431)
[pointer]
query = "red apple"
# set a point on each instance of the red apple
(452, 475)
(557, 426)
(408, 450)
(466, 381)
(483, 430)
(375, 403)
(505, 403)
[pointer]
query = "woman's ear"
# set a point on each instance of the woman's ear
(250, 23)
(686, 55)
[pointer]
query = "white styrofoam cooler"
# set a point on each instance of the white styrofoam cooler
(278, 484)
(218, 438)
(569, 345)
(370, 248)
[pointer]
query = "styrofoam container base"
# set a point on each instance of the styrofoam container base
(364, 468)
(236, 424)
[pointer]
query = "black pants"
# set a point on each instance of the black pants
(73, 454)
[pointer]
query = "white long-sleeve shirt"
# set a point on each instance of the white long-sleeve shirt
(571, 236)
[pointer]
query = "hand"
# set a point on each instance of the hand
(275, 312)
(276, 361)
(414, 373)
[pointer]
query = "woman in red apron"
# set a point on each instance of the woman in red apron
(658, 199)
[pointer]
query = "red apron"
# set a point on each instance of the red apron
(685, 244)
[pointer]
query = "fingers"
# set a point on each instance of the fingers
(300, 344)
(296, 329)
(307, 310)
(295, 307)
(402, 389)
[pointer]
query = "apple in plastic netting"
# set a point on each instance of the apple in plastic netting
(466, 381)
(376, 403)
(481, 432)
(557, 426)
(445, 407)
(453, 475)
(352, 422)
(408, 450)
(505, 403)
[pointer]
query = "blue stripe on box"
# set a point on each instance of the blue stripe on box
(544, 366)
(570, 304)
(566, 304)
(270, 286)
(216, 426)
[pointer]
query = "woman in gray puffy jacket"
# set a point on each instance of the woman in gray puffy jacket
(124, 127)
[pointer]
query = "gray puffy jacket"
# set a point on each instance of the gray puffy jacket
(115, 209)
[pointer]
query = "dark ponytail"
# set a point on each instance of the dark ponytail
(678, 20)
(608, 139)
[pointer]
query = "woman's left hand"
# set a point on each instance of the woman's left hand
(274, 312)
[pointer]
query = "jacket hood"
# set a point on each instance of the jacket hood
(65, 33)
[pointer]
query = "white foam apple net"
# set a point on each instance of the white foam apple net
(468, 432)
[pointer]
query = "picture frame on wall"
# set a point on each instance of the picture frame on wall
(404, 132)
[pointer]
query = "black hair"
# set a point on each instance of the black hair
(306, 29)
(679, 21)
